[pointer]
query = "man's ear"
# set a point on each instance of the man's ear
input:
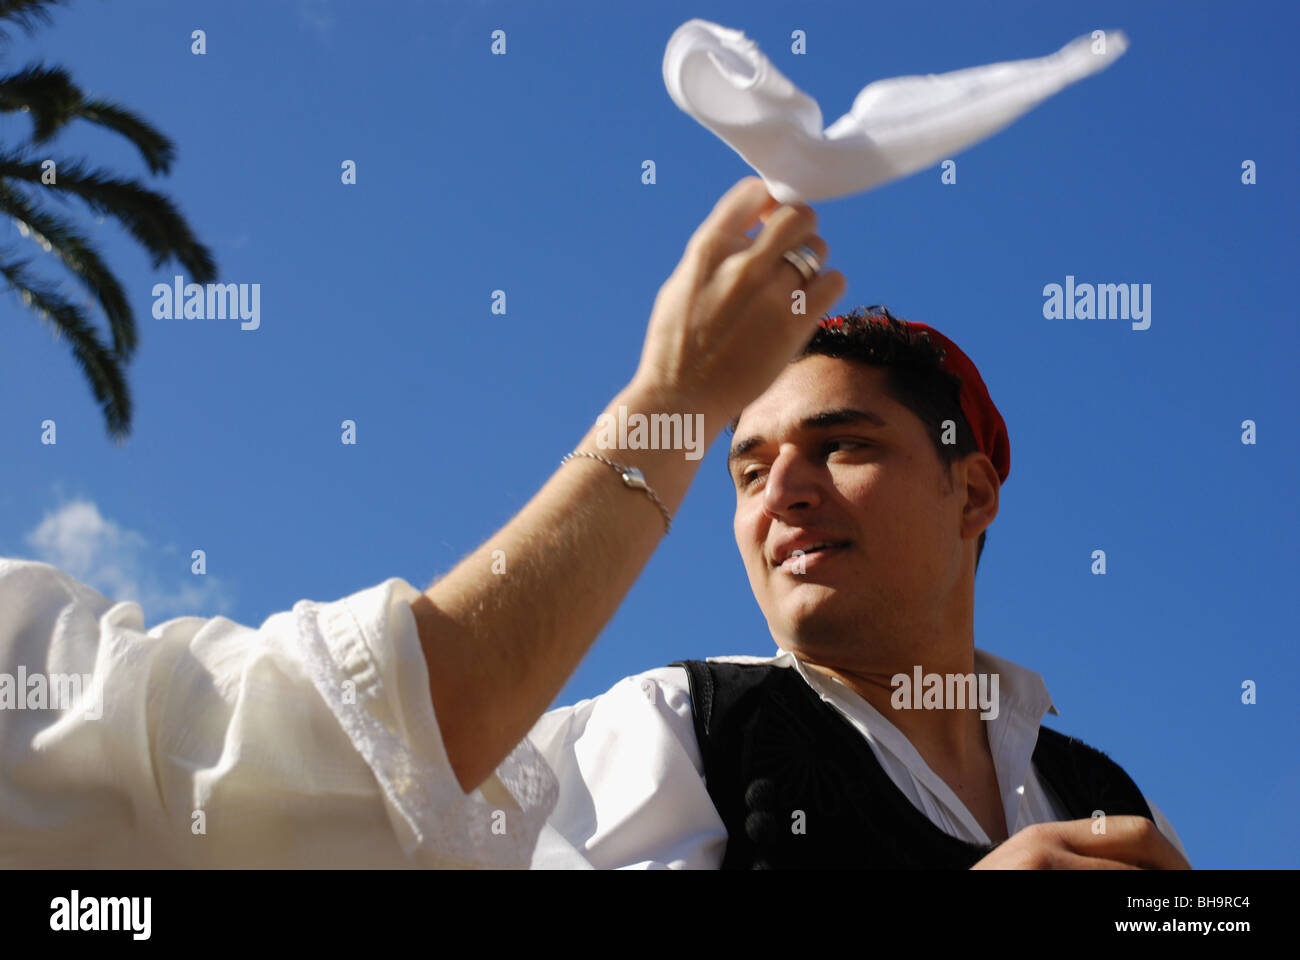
(979, 478)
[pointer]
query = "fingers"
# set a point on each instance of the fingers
(826, 286)
(1072, 861)
(723, 231)
(814, 243)
(1134, 840)
(739, 208)
(785, 227)
(818, 246)
(1129, 843)
(788, 227)
(824, 290)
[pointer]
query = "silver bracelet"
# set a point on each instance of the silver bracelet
(633, 477)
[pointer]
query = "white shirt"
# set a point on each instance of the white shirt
(631, 777)
(312, 742)
(308, 742)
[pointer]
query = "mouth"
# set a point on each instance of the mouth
(814, 553)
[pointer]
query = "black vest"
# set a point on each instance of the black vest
(772, 748)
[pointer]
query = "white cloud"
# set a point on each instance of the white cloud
(121, 564)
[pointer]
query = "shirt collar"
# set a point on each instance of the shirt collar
(1012, 734)
(1020, 689)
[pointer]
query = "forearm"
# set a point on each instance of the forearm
(500, 645)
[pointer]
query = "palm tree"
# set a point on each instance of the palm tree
(52, 100)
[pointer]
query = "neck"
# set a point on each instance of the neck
(943, 646)
(958, 735)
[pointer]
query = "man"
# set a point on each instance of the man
(387, 728)
(320, 740)
(861, 531)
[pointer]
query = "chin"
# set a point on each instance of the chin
(810, 609)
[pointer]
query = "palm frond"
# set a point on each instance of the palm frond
(48, 95)
(156, 149)
(53, 101)
(101, 367)
(26, 14)
(82, 259)
(148, 216)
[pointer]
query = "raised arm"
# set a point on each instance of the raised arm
(500, 646)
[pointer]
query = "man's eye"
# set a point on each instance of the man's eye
(852, 443)
(748, 476)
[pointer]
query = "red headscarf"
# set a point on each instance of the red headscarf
(989, 428)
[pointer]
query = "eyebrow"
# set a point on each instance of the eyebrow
(819, 421)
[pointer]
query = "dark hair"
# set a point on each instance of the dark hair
(915, 376)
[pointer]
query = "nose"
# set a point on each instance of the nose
(792, 486)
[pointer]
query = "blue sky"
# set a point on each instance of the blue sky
(522, 172)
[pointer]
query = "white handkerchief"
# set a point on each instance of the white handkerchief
(896, 127)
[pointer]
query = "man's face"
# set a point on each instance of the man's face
(810, 470)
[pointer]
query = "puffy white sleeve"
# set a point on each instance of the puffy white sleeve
(632, 793)
(308, 742)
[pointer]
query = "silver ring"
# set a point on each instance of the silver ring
(805, 261)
